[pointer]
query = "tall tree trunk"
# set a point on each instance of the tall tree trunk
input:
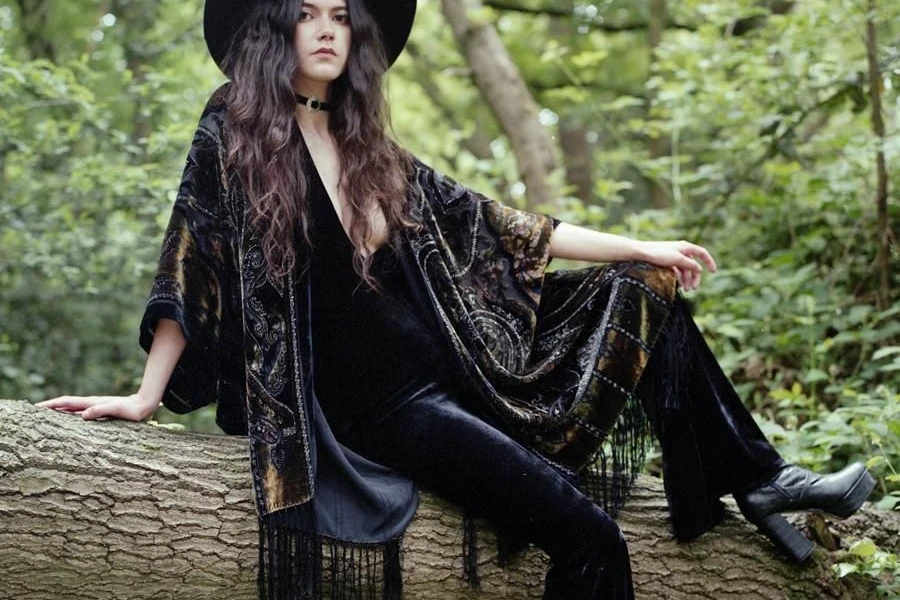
(576, 152)
(657, 146)
(479, 143)
(578, 158)
(505, 92)
(109, 510)
(876, 86)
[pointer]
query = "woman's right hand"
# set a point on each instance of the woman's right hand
(168, 343)
(130, 408)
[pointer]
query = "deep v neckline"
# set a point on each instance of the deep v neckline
(327, 196)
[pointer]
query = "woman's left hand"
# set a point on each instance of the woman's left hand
(682, 257)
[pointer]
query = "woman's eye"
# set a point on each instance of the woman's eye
(304, 15)
(342, 18)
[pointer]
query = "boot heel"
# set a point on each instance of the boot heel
(786, 537)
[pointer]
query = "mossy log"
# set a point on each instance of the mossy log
(119, 510)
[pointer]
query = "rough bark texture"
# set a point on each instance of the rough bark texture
(657, 146)
(876, 85)
(478, 143)
(117, 510)
(500, 83)
(576, 151)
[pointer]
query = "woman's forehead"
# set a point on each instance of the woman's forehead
(323, 4)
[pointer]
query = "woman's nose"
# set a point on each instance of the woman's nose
(326, 30)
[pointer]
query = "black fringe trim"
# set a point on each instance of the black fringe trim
(663, 381)
(608, 478)
(508, 545)
(470, 550)
(295, 563)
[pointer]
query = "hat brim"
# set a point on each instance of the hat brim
(223, 18)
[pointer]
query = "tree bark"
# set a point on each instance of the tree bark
(876, 86)
(657, 145)
(576, 151)
(505, 92)
(479, 143)
(113, 510)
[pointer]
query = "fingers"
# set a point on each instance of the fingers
(700, 253)
(129, 408)
(97, 411)
(97, 407)
(690, 269)
(688, 276)
(69, 403)
(109, 410)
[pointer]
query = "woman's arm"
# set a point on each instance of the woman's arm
(579, 243)
(168, 344)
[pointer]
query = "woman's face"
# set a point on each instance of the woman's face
(322, 43)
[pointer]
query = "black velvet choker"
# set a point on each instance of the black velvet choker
(312, 104)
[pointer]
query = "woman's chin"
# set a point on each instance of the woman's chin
(321, 74)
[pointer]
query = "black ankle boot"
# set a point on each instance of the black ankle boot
(793, 489)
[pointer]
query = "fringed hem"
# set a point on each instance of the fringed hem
(607, 481)
(470, 551)
(297, 564)
(626, 447)
(608, 478)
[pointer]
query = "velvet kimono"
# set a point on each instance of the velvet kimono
(554, 356)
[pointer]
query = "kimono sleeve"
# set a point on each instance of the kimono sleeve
(192, 276)
(524, 235)
(482, 238)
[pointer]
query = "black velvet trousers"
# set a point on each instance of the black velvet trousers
(707, 436)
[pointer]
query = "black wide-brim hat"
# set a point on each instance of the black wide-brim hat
(223, 18)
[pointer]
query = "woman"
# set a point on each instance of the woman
(368, 322)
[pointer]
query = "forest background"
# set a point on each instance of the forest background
(766, 130)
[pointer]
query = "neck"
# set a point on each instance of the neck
(312, 122)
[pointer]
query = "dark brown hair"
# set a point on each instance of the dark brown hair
(266, 149)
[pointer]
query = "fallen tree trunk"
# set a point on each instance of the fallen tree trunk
(118, 510)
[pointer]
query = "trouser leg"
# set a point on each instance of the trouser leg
(711, 446)
(461, 457)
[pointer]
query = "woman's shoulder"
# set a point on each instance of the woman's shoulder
(213, 119)
(438, 186)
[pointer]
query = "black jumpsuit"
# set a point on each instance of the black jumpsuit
(381, 380)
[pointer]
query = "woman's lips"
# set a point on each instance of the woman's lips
(324, 52)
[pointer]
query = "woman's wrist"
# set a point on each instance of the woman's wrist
(147, 400)
(632, 249)
(641, 251)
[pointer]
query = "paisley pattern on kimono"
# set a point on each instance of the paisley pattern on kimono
(556, 355)
(242, 331)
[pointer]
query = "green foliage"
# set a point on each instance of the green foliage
(772, 168)
(769, 162)
(86, 185)
(870, 561)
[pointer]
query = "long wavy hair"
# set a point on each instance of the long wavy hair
(266, 149)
